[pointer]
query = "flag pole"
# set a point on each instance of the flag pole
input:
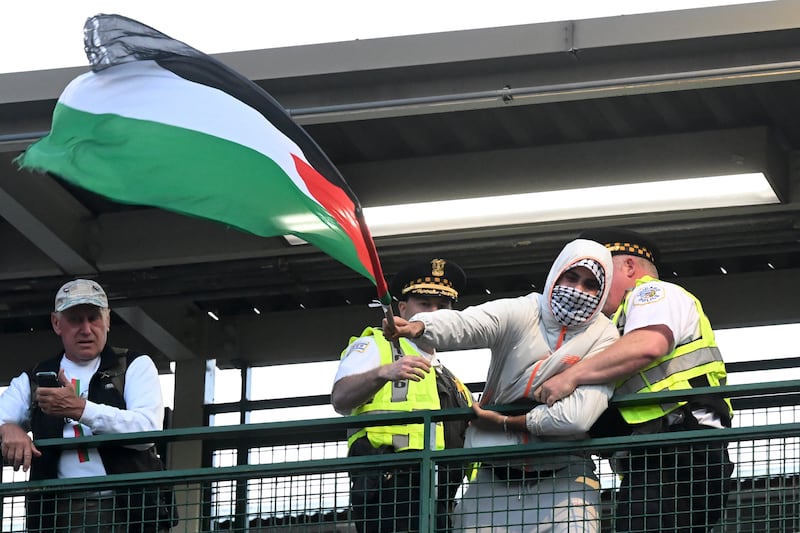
(380, 282)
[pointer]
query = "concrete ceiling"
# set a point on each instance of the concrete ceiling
(460, 114)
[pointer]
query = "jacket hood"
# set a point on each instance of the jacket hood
(573, 252)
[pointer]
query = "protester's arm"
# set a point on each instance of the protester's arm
(632, 352)
(143, 401)
(479, 326)
(573, 415)
(351, 391)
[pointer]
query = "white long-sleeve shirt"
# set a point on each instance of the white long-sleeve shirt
(521, 332)
(144, 410)
(511, 329)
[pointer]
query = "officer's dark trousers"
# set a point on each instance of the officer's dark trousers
(389, 501)
(674, 489)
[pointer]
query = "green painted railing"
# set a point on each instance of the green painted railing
(295, 474)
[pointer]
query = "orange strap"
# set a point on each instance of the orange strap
(536, 366)
(533, 375)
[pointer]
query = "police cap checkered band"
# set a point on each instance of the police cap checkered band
(621, 241)
(431, 285)
(436, 277)
(630, 248)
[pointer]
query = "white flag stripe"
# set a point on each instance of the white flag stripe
(143, 90)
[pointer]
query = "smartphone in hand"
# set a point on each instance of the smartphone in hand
(47, 379)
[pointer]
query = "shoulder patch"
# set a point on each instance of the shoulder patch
(358, 347)
(648, 294)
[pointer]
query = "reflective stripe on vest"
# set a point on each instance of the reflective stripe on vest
(673, 371)
(399, 396)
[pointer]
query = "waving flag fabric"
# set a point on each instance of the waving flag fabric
(159, 123)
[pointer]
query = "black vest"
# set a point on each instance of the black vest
(104, 387)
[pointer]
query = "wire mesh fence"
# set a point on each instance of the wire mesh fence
(275, 477)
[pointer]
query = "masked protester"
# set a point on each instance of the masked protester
(667, 344)
(530, 338)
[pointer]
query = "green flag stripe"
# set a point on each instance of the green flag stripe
(206, 176)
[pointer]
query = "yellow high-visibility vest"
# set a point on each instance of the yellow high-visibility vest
(673, 371)
(403, 396)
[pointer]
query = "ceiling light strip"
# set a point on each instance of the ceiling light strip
(568, 204)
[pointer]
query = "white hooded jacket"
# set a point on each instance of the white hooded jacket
(521, 332)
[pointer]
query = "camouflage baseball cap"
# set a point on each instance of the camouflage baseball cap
(80, 291)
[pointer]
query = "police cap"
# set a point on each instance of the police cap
(621, 241)
(436, 277)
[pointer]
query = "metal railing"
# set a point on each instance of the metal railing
(295, 476)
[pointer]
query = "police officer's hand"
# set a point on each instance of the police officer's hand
(402, 328)
(411, 367)
(60, 401)
(555, 388)
(17, 447)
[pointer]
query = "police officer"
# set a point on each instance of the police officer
(663, 488)
(376, 375)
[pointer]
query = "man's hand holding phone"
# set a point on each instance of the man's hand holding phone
(58, 397)
(47, 379)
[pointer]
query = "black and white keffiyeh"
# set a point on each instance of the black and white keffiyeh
(571, 306)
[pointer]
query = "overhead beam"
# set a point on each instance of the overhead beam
(147, 238)
(543, 168)
(727, 299)
(569, 41)
(21, 258)
(594, 89)
(166, 238)
(49, 217)
(455, 47)
(156, 333)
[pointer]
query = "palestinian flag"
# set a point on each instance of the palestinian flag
(159, 123)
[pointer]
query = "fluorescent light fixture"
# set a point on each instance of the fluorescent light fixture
(568, 204)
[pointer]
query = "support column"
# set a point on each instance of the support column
(190, 378)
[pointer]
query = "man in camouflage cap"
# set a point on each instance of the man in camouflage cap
(82, 399)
